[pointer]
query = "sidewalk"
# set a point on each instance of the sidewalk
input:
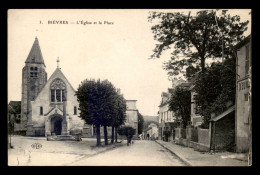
(195, 158)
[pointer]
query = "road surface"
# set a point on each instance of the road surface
(141, 153)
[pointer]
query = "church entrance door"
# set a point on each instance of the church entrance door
(56, 123)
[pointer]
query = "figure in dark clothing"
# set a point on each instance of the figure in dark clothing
(148, 136)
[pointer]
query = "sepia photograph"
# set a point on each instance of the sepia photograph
(129, 87)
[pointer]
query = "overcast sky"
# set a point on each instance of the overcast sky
(117, 52)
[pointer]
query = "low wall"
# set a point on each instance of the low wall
(203, 143)
(203, 136)
(203, 140)
(177, 133)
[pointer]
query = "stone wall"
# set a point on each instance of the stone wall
(204, 137)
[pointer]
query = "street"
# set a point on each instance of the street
(141, 153)
(85, 153)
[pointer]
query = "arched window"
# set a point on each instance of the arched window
(58, 90)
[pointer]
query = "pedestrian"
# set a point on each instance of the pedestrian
(148, 136)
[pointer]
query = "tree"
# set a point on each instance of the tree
(180, 104)
(119, 116)
(96, 101)
(128, 131)
(215, 88)
(195, 38)
(140, 123)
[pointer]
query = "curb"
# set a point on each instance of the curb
(188, 163)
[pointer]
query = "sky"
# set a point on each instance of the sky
(116, 48)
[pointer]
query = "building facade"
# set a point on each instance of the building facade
(243, 94)
(196, 119)
(166, 118)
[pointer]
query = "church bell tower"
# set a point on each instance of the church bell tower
(34, 77)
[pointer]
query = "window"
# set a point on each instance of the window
(75, 110)
(247, 59)
(33, 72)
(52, 95)
(246, 96)
(41, 110)
(58, 91)
(63, 95)
(58, 95)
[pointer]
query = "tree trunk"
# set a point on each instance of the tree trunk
(116, 134)
(98, 135)
(105, 135)
(112, 136)
(202, 64)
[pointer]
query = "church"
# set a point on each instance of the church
(47, 106)
(50, 107)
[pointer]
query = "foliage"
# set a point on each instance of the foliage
(194, 39)
(140, 123)
(119, 111)
(119, 117)
(180, 104)
(100, 104)
(215, 88)
(96, 101)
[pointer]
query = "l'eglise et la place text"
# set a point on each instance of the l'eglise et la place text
(57, 22)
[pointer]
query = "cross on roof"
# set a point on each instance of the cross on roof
(58, 62)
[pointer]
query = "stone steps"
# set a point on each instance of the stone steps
(61, 138)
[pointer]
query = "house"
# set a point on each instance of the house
(167, 119)
(196, 119)
(243, 95)
(14, 115)
(152, 130)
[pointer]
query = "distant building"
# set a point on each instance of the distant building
(243, 99)
(132, 115)
(152, 131)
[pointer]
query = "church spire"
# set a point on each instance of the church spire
(35, 55)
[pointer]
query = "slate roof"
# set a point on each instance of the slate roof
(35, 55)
